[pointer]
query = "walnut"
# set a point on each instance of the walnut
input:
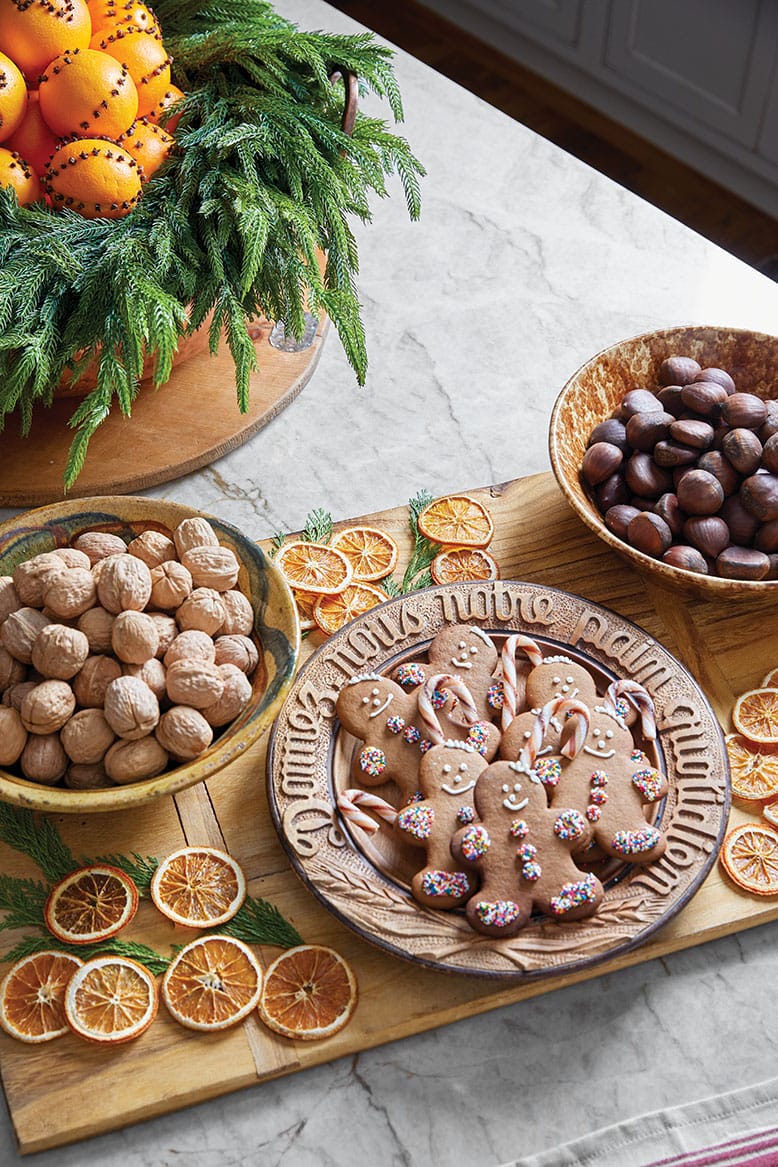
(15, 694)
(30, 577)
(212, 567)
(135, 760)
(239, 617)
(59, 651)
(171, 583)
(19, 631)
(99, 545)
(131, 709)
(12, 671)
(81, 776)
(194, 532)
(124, 582)
(167, 630)
(73, 558)
(152, 672)
(134, 637)
(91, 683)
(202, 610)
(153, 548)
(236, 650)
(43, 758)
(87, 736)
(96, 624)
(184, 732)
(70, 592)
(47, 707)
(236, 695)
(194, 682)
(9, 597)
(13, 736)
(191, 645)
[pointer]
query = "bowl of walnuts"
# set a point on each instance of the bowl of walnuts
(143, 646)
(666, 446)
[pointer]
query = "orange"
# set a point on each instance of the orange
(309, 992)
(213, 983)
(770, 812)
(91, 904)
(89, 94)
(33, 139)
(771, 680)
(198, 887)
(753, 769)
(32, 996)
(108, 14)
(372, 553)
(144, 54)
(306, 602)
(314, 567)
(755, 715)
(148, 144)
(749, 855)
(456, 519)
(463, 563)
(332, 612)
(15, 172)
(171, 95)
(111, 999)
(13, 97)
(34, 32)
(96, 178)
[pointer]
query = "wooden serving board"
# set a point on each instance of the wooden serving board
(67, 1090)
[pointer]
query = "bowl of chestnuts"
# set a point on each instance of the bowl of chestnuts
(143, 646)
(666, 446)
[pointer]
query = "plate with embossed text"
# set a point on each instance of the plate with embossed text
(365, 879)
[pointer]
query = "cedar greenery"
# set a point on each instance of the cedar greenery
(263, 177)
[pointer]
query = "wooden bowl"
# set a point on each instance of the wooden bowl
(594, 391)
(276, 631)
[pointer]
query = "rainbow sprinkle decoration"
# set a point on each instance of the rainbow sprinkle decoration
(465, 815)
(495, 696)
(478, 735)
(574, 895)
(454, 884)
(548, 770)
(372, 761)
(409, 676)
(599, 778)
(395, 724)
(635, 842)
(411, 735)
(475, 842)
(532, 871)
(649, 783)
(500, 914)
(417, 820)
(519, 829)
(569, 825)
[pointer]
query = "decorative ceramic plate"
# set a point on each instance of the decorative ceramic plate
(365, 879)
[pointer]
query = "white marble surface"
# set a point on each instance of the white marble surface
(525, 263)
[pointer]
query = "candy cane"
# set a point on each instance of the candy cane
(350, 803)
(573, 740)
(509, 676)
(429, 718)
(640, 699)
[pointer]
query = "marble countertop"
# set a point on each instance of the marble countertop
(525, 262)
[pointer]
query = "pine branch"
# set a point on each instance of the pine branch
(417, 572)
(139, 868)
(318, 527)
(23, 901)
(39, 839)
(29, 944)
(258, 922)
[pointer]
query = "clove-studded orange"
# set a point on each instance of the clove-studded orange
(33, 140)
(146, 58)
(34, 32)
(17, 173)
(98, 179)
(110, 14)
(13, 97)
(87, 93)
(148, 144)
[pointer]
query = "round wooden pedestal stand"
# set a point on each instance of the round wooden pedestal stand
(189, 422)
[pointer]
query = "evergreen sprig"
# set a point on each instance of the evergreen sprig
(258, 922)
(37, 837)
(263, 178)
(417, 574)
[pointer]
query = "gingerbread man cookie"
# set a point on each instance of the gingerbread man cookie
(462, 650)
(527, 738)
(522, 849)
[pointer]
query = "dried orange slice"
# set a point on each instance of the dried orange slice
(755, 715)
(91, 904)
(372, 553)
(32, 996)
(332, 612)
(111, 999)
(310, 992)
(198, 887)
(753, 769)
(314, 567)
(213, 983)
(771, 680)
(457, 519)
(749, 855)
(456, 564)
(770, 812)
(305, 604)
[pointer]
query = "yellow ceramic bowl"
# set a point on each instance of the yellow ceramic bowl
(276, 629)
(594, 391)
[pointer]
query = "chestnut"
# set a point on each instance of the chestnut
(718, 377)
(708, 533)
(687, 558)
(742, 563)
(677, 370)
(716, 463)
(693, 432)
(699, 493)
(759, 495)
(645, 478)
(704, 397)
(742, 524)
(644, 430)
(618, 518)
(770, 453)
(649, 533)
(612, 431)
(743, 449)
(639, 401)
(744, 409)
(600, 461)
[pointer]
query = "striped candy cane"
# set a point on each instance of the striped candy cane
(572, 739)
(510, 649)
(353, 804)
(640, 698)
(444, 682)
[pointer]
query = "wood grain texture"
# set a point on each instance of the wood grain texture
(537, 539)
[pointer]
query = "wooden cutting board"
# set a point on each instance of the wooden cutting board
(66, 1090)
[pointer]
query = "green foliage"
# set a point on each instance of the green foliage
(417, 574)
(258, 922)
(263, 178)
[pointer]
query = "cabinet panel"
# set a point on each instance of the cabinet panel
(554, 20)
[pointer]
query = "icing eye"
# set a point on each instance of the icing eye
(569, 680)
(609, 733)
(517, 787)
(463, 768)
(595, 733)
(446, 769)
(365, 700)
(505, 789)
(461, 644)
(527, 735)
(556, 680)
(565, 688)
(474, 651)
(375, 692)
(377, 702)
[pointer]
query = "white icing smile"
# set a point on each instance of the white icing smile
(603, 741)
(378, 706)
(461, 662)
(457, 780)
(512, 802)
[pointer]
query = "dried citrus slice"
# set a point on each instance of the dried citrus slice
(198, 887)
(32, 996)
(314, 567)
(771, 680)
(213, 983)
(749, 855)
(456, 564)
(111, 999)
(753, 769)
(332, 612)
(770, 812)
(309, 992)
(305, 604)
(372, 553)
(755, 715)
(457, 519)
(91, 904)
